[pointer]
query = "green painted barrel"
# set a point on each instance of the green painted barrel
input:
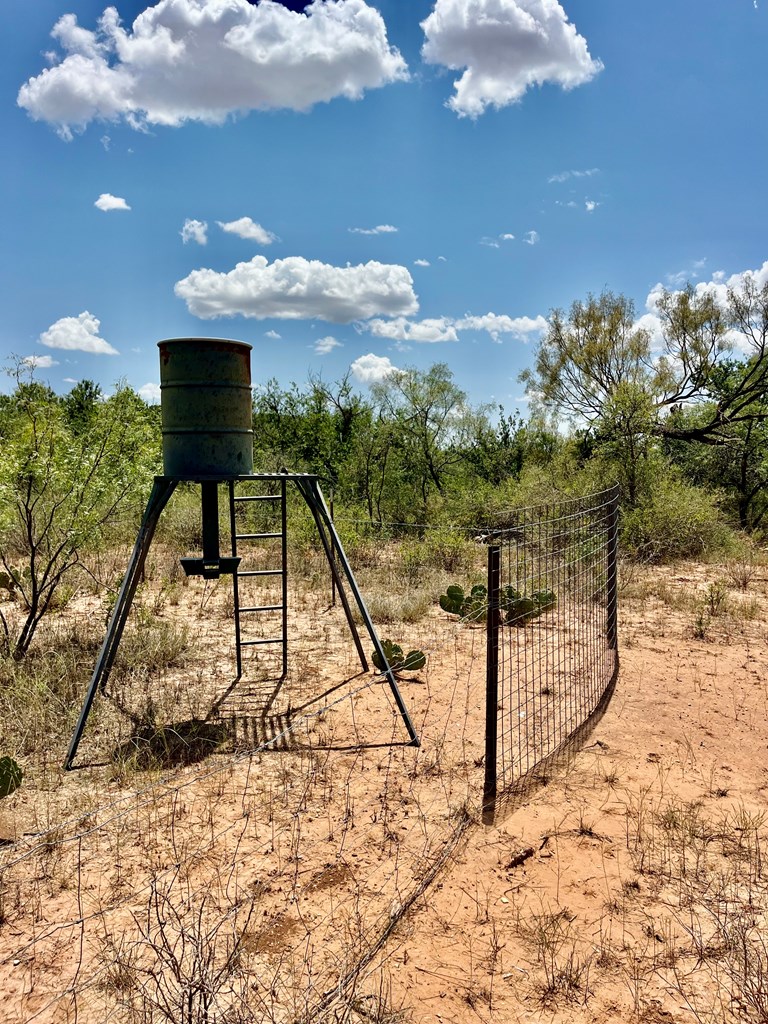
(206, 406)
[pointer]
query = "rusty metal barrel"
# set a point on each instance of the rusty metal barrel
(206, 406)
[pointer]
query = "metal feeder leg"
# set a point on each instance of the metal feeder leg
(314, 498)
(162, 489)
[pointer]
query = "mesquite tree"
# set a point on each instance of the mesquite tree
(61, 487)
(601, 367)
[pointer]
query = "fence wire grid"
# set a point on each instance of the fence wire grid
(552, 643)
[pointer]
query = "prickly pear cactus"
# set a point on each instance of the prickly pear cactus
(453, 600)
(13, 578)
(471, 606)
(522, 610)
(10, 776)
(413, 661)
(546, 599)
(399, 662)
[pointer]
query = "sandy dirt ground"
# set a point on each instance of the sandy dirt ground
(317, 867)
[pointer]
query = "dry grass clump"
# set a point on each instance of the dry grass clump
(563, 966)
(408, 606)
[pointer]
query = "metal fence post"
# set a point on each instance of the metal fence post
(612, 568)
(492, 681)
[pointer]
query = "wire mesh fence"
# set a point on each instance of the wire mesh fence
(316, 825)
(552, 653)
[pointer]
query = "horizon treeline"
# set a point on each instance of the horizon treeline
(679, 418)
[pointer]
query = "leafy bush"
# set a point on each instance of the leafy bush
(677, 520)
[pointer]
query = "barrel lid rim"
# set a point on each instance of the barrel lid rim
(226, 341)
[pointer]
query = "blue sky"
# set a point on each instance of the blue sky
(367, 184)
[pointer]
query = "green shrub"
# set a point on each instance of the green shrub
(676, 520)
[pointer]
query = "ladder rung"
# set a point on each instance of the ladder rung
(264, 608)
(256, 497)
(256, 643)
(261, 572)
(256, 536)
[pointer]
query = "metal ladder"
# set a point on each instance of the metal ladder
(241, 574)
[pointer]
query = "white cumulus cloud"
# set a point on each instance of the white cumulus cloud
(204, 60)
(400, 329)
(39, 362)
(194, 231)
(718, 286)
(443, 328)
(506, 46)
(531, 237)
(421, 263)
(380, 229)
(107, 202)
(244, 227)
(272, 334)
(521, 327)
(326, 345)
(77, 334)
(371, 368)
(296, 289)
(150, 393)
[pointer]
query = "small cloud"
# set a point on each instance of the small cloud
(421, 263)
(150, 393)
(677, 279)
(71, 380)
(39, 362)
(442, 259)
(494, 242)
(194, 231)
(77, 334)
(371, 368)
(590, 205)
(531, 237)
(565, 175)
(380, 229)
(326, 345)
(401, 330)
(107, 202)
(680, 277)
(246, 228)
(272, 334)
(106, 142)
(521, 327)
